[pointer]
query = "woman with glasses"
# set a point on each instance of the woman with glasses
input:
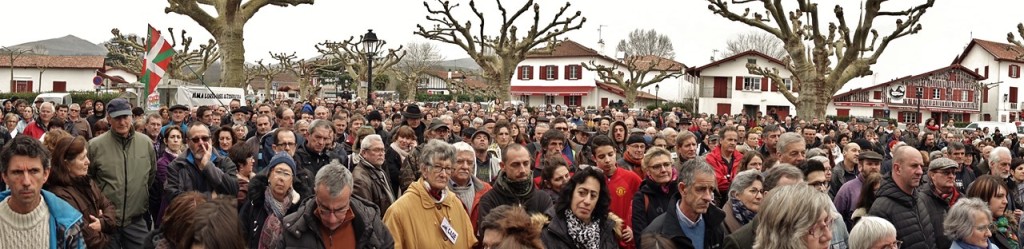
(1003, 228)
(795, 216)
(874, 233)
(968, 223)
(11, 124)
(656, 190)
(745, 196)
(428, 206)
(271, 197)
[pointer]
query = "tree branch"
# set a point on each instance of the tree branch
(250, 8)
(777, 80)
(190, 8)
(720, 7)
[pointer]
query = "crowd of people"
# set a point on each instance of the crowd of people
(318, 174)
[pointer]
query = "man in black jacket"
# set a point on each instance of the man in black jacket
(896, 201)
(939, 194)
(514, 185)
(694, 211)
(333, 212)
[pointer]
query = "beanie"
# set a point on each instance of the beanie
(636, 138)
(279, 158)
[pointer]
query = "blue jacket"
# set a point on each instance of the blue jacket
(65, 222)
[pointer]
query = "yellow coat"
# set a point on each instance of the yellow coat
(415, 220)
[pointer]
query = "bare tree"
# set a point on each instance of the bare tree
(305, 70)
(188, 63)
(351, 56)
(499, 49)
(267, 72)
(642, 42)
(227, 27)
(759, 41)
(13, 54)
(637, 69)
(420, 58)
(813, 48)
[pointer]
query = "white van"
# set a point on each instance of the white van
(1004, 127)
(56, 98)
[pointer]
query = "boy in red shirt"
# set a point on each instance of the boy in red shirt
(622, 184)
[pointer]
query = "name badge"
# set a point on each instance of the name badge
(449, 232)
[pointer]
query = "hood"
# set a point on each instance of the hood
(611, 130)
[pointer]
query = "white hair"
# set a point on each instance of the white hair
(870, 229)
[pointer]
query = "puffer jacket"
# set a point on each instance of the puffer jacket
(218, 176)
(912, 220)
(415, 217)
(556, 233)
(667, 225)
(936, 208)
(66, 223)
(302, 229)
(123, 168)
(253, 213)
(649, 203)
(84, 196)
(371, 183)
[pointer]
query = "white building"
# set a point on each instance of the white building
(42, 73)
(728, 87)
(558, 78)
(999, 64)
(946, 93)
(436, 82)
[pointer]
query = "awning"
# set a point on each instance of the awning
(552, 90)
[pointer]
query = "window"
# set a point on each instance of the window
(936, 93)
(751, 84)
(919, 92)
(550, 73)
(876, 95)
(963, 96)
(788, 83)
(1014, 71)
(573, 100)
(958, 117)
(909, 117)
(525, 99)
(751, 61)
(573, 72)
(22, 86)
(60, 86)
(550, 100)
(525, 72)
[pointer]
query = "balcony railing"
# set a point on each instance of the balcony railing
(947, 104)
(1013, 105)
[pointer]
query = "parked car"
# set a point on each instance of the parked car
(1004, 127)
(56, 98)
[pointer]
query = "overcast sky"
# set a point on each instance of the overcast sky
(694, 30)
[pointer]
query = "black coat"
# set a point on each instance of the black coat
(649, 203)
(667, 225)
(912, 220)
(536, 202)
(556, 233)
(302, 228)
(254, 213)
(743, 238)
(936, 208)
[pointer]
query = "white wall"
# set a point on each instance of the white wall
(673, 89)
(978, 58)
(737, 99)
(129, 77)
(587, 77)
(77, 79)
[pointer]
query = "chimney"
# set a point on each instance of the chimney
(620, 55)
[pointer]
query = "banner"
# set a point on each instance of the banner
(153, 101)
(199, 96)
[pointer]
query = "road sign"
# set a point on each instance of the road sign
(97, 80)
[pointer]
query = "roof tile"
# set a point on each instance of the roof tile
(31, 61)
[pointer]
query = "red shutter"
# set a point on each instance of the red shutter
(764, 84)
(1013, 95)
(900, 117)
(568, 74)
(970, 96)
(774, 88)
(565, 100)
(956, 95)
(554, 74)
(579, 71)
(876, 94)
(967, 118)
(986, 71)
(1017, 69)
(984, 95)
(942, 94)
(739, 83)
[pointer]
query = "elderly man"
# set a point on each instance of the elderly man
(37, 127)
(200, 169)
(178, 115)
(695, 222)
(428, 205)
(848, 196)
(467, 187)
(939, 194)
(334, 218)
(31, 217)
(896, 201)
(316, 152)
(999, 165)
(81, 126)
(514, 185)
(847, 169)
(790, 148)
(371, 181)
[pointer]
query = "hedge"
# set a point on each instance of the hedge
(687, 106)
(77, 97)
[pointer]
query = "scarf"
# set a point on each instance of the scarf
(950, 198)
(519, 190)
(271, 235)
(632, 161)
(584, 235)
(399, 149)
(964, 245)
(1003, 227)
(465, 193)
(740, 211)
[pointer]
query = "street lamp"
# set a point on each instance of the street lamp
(657, 100)
(918, 93)
(370, 46)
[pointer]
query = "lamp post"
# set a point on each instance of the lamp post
(657, 100)
(370, 46)
(918, 94)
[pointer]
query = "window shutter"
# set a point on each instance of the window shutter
(901, 117)
(970, 96)
(739, 83)
(773, 87)
(764, 84)
(579, 71)
(986, 71)
(565, 100)
(568, 74)
(554, 73)
(521, 70)
(984, 95)
(956, 95)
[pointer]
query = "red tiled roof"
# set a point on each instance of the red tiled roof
(283, 79)
(470, 81)
(559, 90)
(108, 68)
(737, 56)
(74, 62)
(1002, 51)
(664, 64)
(618, 91)
(566, 48)
(909, 78)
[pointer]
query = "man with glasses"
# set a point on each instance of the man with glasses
(334, 218)
(200, 169)
(428, 206)
(81, 126)
(371, 181)
(939, 194)
(122, 161)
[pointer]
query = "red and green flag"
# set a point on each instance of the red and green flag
(156, 61)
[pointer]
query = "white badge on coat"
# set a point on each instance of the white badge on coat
(449, 232)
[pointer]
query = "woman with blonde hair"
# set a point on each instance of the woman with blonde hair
(992, 190)
(795, 217)
(873, 232)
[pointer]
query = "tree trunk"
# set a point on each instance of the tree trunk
(232, 55)
(813, 100)
(630, 94)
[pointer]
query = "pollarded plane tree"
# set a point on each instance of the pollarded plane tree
(822, 58)
(351, 55)
(188, 63)
(498, 49)
(636, 72)
(303, 69)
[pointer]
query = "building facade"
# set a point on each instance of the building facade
(952, 92)
(43, 73)
(999, 63)
(727, 87)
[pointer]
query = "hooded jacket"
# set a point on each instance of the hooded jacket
(650, 202)
(123, 168)
(415, 220)
(723, 171)
(912, 220)
(65, 221)
(302, 227)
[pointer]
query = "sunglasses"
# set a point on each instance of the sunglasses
(197, 139)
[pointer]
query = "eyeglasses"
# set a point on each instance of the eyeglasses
(822, 227)
(200, 138)
(283, 173)
(438, 170)
(375, 150)
(894, 245)
(638, 146)
(821, 184)
(660, 166)
(336, 213)
(756, 191)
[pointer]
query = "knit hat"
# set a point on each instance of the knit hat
(636, 138)
(307, 108)
(374, 115)
(279, 158)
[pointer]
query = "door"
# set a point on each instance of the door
(750, 110)
(604, 102)
(781, 111)
(60, 86)
(724, 108)
(721, 87)
(842, 112)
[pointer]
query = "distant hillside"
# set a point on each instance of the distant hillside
(464, 63)
(68, 45)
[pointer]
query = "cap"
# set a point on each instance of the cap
(242, 109)
(468, 132)
(636, 138)
(941, 163)
(374, 115)
(713, 137)
(437, 124)
(178, 107)
(869, 155)
(584, 129)
(482, 132)
(118, 107)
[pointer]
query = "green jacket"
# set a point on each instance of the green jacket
(123, 168)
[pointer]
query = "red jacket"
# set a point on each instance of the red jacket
(481, 189)
(34, 129)
(723, 174)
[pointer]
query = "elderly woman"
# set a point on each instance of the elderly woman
(795, 216)
(271, 197)
(992, 190)
(468, 188)
(656, 190)
(745, 195)
(581, 220)
(967, 223)
(873, 232)
(69, 180)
